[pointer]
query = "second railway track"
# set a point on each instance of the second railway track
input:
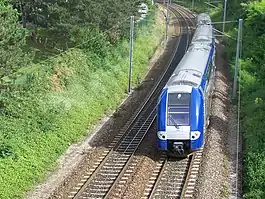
(113, 167)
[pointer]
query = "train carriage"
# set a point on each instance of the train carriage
(182, 111)
(203, 19)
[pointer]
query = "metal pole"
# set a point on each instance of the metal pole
(208, 8)
(240, 23)
(130, 54)
(225, 3)
(192, 5)
(167, 20)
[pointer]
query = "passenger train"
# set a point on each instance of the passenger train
(183, 105)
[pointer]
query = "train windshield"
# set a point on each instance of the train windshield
(178, 109)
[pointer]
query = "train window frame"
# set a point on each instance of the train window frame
(177, 107)
(181, 115)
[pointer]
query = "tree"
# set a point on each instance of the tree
(60, 18)
(12, 40)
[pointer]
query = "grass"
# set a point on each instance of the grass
(57, 105)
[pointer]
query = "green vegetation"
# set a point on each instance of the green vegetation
(252, 90)
(252, 84)
(13, 40)
(253, 95)
(46, 105)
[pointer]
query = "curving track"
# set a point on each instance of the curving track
(116, 163)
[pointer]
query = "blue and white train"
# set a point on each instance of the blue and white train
(182, 111)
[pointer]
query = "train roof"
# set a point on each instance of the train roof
(203, 34)
(192, 66)
(203, 18)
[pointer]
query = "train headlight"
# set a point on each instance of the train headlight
(194, 135)
(161, 135)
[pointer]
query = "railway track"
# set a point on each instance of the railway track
(174, 177)
(116, 163)
(189, 20)
(170, 178)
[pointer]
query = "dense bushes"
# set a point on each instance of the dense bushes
(253, 95)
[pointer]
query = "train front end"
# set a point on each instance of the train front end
(180, 120)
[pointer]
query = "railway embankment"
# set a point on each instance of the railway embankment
(61, 105)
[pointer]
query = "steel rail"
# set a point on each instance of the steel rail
(130, 159)
(75, 192)
(181, 14)
(186, 181)
(187, 13)
(161, 170)
(171, 180)
(125, 168)
(162, 165)
(192, 176)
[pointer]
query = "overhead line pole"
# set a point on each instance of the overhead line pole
(167, 19)
(224, 16)
(240, 24)
(130, 53)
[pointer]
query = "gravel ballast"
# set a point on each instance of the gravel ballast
(217, 172)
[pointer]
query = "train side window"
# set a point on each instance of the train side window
(209, 70)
